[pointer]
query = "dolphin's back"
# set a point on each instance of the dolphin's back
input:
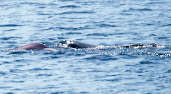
(33, 46)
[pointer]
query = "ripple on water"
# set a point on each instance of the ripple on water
(16, 70)
(99, 34)
(38, 69)
(76, 12)
(156, 3)
(44, 75)
(10, 30)
(146, 62)
(166, 25)
(168, 71)
(70, 6)
(73, 33)
(106, 25)
(101, 58)
(69, 92)
(17, 52)
(10, 25)
(9, 93)
(140, 10)
(6, 62)
(2, 73)
(74, 28)
(10, 38)
(50, 57)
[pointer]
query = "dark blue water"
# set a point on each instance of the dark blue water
(98, 22)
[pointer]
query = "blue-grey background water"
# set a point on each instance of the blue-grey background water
(98, 22)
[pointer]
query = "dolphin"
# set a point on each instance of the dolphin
(35, 46)
(75, 44)
(63, 43)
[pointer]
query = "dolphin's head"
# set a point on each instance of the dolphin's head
(74, 44)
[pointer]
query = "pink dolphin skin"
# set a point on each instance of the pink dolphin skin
(36, 46)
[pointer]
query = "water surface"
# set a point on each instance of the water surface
(98, 22)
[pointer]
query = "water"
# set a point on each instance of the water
(98, 22)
